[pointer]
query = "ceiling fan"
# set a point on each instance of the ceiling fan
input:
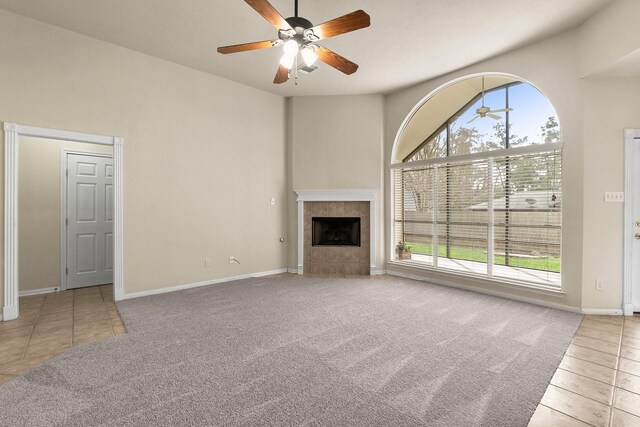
(486, 111)
(298, 35)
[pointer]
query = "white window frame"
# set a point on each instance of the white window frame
(487, 155)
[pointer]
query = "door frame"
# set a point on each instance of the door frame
(631, 141)
(64, 162)
(12, 134)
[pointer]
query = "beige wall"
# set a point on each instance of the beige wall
(336, 143)
(202, 155)
(611, 105)
(39, 209)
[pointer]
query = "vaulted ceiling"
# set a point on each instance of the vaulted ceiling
(409, 40)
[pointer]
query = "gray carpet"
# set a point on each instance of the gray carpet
(304, 351)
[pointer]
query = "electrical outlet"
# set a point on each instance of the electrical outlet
(614, 196)
(598, 285)
(207, 262)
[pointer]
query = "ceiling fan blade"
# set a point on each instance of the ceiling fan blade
(502, 110)
(338, 62)
(268, 12)
(344, 24)
(474, 117)
(245, 46)
(282, 75)
(493, 116)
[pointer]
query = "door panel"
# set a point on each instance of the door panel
(86, 253)
(89, 220)
(86, 169)
(86, 202)
(108, 206)
(109, 252)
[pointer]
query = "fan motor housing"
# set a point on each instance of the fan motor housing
(298, 22)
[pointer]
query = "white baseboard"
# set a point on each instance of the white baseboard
(628, 309)
(603, 311)
(487, 292)
(372, 272)
(9, 313)
(37, 291)
(1, 318)
(199, 284)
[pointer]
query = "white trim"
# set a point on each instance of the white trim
(118, 218)
(338, 195)
(529, 149)
(378, 272)
(200, 284)
(603, 311)
(64, 167)
(300, 237)
(486, 291)
(631, 137)
(38, 291)
(12, 133)
(293, 270)
(491, 281)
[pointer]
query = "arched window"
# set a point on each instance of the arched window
(477, 185)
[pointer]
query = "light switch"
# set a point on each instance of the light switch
(614, 196)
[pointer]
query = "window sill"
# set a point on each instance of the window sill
(482, 279)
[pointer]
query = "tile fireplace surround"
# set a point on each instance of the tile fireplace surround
(335, 204)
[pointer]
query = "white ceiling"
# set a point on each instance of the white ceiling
(409, 40)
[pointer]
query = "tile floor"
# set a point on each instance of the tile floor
(598, 381)
(52, 323)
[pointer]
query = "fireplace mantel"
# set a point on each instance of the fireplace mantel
(337, 195)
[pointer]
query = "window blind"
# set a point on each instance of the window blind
(493, 216)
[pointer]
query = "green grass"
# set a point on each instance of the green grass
(546, 263)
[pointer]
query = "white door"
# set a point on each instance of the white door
(635, 250)
(89, 220)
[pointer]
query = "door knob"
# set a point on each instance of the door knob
(638, 223)
(638, 236)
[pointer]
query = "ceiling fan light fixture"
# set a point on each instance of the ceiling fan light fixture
(297, 33)
(287, 61)
(291, 48)
(309, 55)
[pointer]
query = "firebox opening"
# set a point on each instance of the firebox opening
(335, 231)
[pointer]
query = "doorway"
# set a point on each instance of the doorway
(13, 134)
(632, 222)
(87, 220)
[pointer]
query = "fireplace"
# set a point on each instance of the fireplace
(350, 250)
(335, 231)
